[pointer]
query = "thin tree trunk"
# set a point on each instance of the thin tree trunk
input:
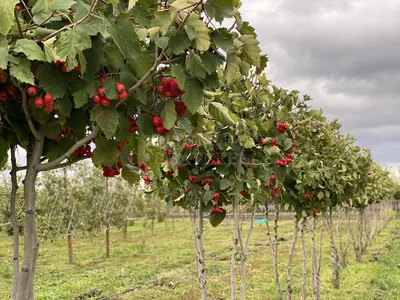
(70, 252)
(354, 238)
(107, 242)
(274, 246)
(243, 256)
(235, 245)
(304, 250)
(319, 266)
(152, 225)
(313, 256)
(290, 258)
(173, 220)
(334, 253)
(14, 222)
(31, 241)
(374, 222)
(125, 232)
(197, 228)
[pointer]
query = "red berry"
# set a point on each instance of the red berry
(262, 140)
(168, 94)
(100, 91)
(10, 90)
(77, 68)
(155, 121)
(159, 130)
(39, 102)
(105, 101)
(120, 88)
(165, 81)
(123, 95)
(101, 79)
(19, 7)
(96, 98)
(48, 98)
(160, 89)
(31, 91)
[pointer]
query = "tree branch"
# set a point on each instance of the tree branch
(18, 23)
(72, 25)
(26, 112)
(57, 163)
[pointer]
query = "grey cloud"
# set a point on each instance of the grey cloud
(344, 54)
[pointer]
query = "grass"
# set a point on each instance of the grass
(162, 266)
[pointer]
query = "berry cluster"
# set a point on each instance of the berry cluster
(3, 76)
(169, 173)
(216, 196)
(215, 162)
(187, 146)
(63, 66)
(168, 152)
(271, 186)
(192, 178)
(47, 103)
(110, 171)
(273, 142)
(101, 99)
(181, 167)
(282, 127)
(217, 210)
(244, 193)
(10, 91)
(144, 167)
(132, 127)
(64, 134)
(121, 146)
(84, 151)
(169, 88)
(314, 211)
(158, 124)
(308, 196)
(207, 181)
(180, 107)
(146, 179)
(286, 160)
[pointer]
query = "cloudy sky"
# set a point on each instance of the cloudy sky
(345, 55)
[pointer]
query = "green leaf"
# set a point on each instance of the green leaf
(93, 56)
(77, 122)
(3, 52)
(124, 36)
(156, 156)
(81, 97)
(195, 65)
(141, 147)
(216, 219)
(43, 9)
(219, 9)
(320, 195)
(223, 184)
(64, 106)
(141, 64)
(110, 89)
(179, 73)
(232, 67)
(70, 43)
(107, 118)
(250, 50)
(201, 140)
(30, 48)
(220, 113)
(249, 142)
(53, 131)
(194, 95)
(49, 51)
(113, 56)
(131, 174)
(53, 80)
(4, 147)
(163, 20)
(179, 42)
(211, 61)
(22, 71)
(198, 32)
(145, 125)
(169, 114)
(207, 196)
(123, 128)
(7, 15)
(131, 4)
(273, 149)
(90, 25)
(105, 152)
(222, 38)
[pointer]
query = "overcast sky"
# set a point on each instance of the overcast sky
(345, 55)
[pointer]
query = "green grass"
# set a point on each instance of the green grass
(162, 266)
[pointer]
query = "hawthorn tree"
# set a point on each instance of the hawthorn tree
(78, 71)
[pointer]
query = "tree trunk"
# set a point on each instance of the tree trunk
(125, 232)
(70, 253)
(319, 265)
(374, 222)
(304, 250)
(243, 256)
(334, 253)
(290, 259)
(274, 247)
(15, 225)
(313, 256)
(107, 242)
(234, 246)
(31, 241)
(173, 220)
(197, 228)
(354, 238)
(152, 225)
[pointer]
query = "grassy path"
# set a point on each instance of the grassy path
(162, 265)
